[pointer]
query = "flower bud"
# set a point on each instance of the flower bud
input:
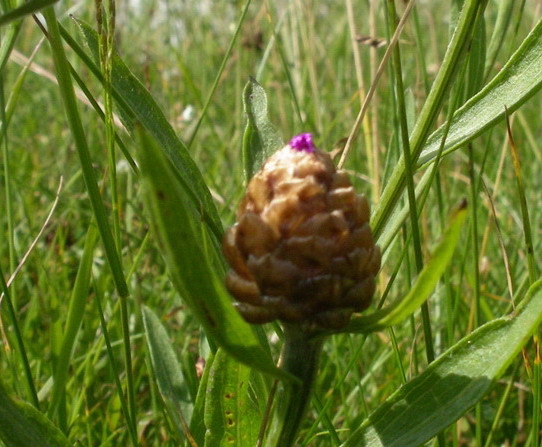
(302, 250)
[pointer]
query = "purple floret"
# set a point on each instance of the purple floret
(302, 142)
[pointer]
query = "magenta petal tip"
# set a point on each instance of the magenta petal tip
(302, 142)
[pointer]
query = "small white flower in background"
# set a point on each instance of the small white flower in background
(188, 113)
(123, 166)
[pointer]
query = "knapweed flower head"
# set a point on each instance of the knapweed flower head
(302, 250)
(302, 142)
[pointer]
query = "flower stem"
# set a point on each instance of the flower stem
(299, 357)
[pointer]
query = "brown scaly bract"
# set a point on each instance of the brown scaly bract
(302, 250)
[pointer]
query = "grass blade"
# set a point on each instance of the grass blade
(523, 202)
(500, 31)
(22, 351)
(76, 311)
(26, 9)
(409, 175)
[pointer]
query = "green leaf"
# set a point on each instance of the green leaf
(233, 407)
(167, 370)
(422, 287)
(453, 383)
(136, 101)
(76, 312)
(518, 81)
(27, 8)
(261, 138)
(192, 266)
(22, 425)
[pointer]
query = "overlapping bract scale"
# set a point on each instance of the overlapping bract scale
(302, 249)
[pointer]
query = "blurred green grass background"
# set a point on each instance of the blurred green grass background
(302, 53)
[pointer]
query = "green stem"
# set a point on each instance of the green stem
(299, 357)
(409, 178)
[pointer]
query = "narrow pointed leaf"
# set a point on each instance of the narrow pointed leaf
(167, 370)
(518, 81)
(453, 383)
(76, 312)
(192, 266)
(22, 425)
(261, 138)
(422, 287)
(26, 9)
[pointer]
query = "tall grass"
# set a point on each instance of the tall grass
(116, 329)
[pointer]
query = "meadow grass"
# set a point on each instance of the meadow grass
(84, 303)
